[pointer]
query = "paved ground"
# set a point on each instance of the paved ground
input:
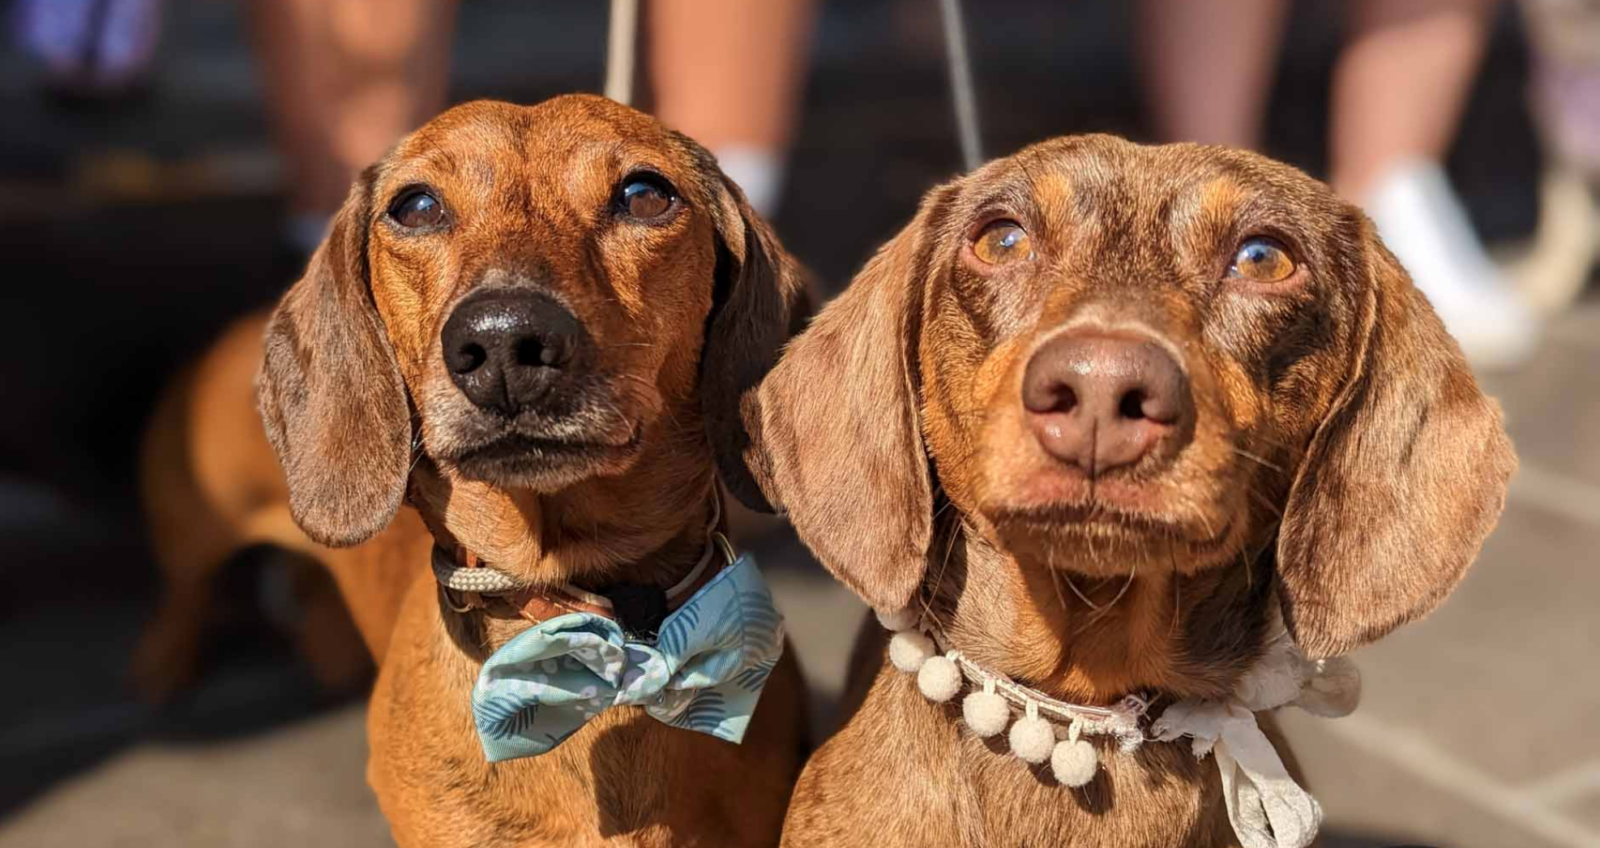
(1478, 724)
(131, 236)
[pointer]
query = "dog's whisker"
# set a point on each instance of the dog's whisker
(1177, 589)
(1293, 451)
(938, 578)
(1121, 593)
(1055, 580)
(1079, 592)
(623, 418)
(1258, 459)
(671, 416)
(1126, 585)
(1264, 501)
(1200, 515)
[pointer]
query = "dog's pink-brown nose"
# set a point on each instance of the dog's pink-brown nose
(1103, 401)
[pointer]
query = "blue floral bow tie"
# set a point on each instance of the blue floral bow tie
(704, 672)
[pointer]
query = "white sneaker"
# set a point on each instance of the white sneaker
(1422, 221)
(758, 172)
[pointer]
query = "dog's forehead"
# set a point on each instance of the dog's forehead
(571, 140)
(1089, 176)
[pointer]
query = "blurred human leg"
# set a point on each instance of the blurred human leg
(1401, 82)
(1564, 97)
(730, 74)
(1399, 88)
(344, 80)
(88, 48)
(1208, 66)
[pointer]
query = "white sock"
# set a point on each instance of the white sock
(759, 172)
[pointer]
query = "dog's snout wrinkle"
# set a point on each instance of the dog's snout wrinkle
(507, 349)
(1102, 401)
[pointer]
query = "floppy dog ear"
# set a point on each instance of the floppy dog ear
(841, 435)
(1401, 482)
(330, 392)
(759, 299)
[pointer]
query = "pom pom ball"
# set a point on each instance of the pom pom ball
(939, 679)
(1074, 762)
(986, 713)
(1032, 739)
(908, 650)
(902, 619)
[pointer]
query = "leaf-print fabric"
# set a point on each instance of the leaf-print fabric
(704, 672)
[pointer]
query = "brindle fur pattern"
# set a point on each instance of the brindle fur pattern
(1344, 466)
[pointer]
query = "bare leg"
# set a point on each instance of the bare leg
(1398, 92)
(729, 73)
(1208, 66)
(1400, 84)
(344, 80)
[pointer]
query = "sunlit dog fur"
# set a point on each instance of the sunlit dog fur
(607, 477)
(1341, 466)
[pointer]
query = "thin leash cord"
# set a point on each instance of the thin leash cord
(962, 94)
(622, 39)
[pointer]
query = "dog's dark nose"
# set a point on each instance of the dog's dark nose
(508, 348)
(1103, 401)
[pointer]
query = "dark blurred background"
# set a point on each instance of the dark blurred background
(134, 227)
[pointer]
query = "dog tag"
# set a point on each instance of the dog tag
(639, 608)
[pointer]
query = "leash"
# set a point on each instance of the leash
(963, 96)
(622, 38)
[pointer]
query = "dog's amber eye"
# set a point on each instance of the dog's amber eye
(417, 209)
(646, 196)
(1261, 260)
(1002, 242)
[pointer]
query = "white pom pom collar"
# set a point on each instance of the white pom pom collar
(1283, 676)
(995, 701)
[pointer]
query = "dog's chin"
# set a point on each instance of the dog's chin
(517, 461)
(1096, 540)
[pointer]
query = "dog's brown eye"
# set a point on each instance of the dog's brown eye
(1262, 260)
(646, 196)
(1002, 242)
(417, 209)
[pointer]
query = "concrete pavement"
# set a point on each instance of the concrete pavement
(1477, 728)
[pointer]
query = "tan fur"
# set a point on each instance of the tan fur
(210, 486)
(687, 313)
(1342, 464)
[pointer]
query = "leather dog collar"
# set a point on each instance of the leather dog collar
(469, 582)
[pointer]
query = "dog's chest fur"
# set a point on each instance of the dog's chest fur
(930, 784)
